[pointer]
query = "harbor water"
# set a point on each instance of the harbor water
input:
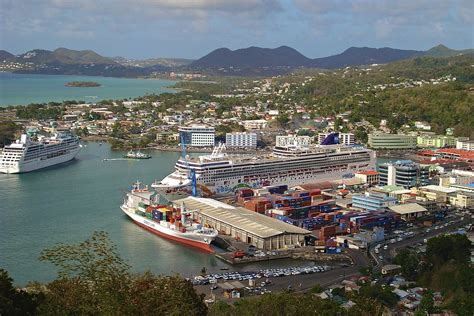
(23, 89)
(68, 202)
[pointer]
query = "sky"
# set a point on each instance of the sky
(193, 28)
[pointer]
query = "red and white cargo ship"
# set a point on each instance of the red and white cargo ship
(174, 223)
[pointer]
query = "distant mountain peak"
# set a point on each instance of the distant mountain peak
(4, 55)
(444, 51)
(252, 56)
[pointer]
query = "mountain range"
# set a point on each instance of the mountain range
(246, 61)
(285, 56)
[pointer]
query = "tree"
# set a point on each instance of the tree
(94, 279)
(117, 131)
(409, 263)
(316, 289)
(384, 296)
(7, 132)
(361, 135)
(427, 303)
(14, 301)
(283, 120)
(91, 277)
(165, 295)
(444, 248)
(278, 304)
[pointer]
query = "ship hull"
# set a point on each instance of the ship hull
(36, 164)
(161, 231)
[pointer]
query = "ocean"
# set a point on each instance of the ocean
(68, 202)
(23, 89)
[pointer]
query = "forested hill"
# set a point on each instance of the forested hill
(436, 90)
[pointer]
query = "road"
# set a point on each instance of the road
(421, 234)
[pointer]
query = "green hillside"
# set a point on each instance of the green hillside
(443, 51)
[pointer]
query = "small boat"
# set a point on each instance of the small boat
(137, 155)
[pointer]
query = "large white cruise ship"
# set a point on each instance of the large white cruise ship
(292, 165)
(26, 155)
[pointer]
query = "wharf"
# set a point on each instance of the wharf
(304, 253)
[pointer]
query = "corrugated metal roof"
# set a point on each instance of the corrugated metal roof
(239, 217)
(407, 208)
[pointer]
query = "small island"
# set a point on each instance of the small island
(82, 84)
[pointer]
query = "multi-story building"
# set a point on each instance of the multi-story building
(436, 193)
(293, 140)
(344, 138)
(370, 177)
(465, 145)
(404, 173)
(392, 141)
(461, 199)
(241, 140)
(435, 141)
(197, 135)
(372, 201)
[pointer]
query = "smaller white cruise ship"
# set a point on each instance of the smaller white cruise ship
(25, 155)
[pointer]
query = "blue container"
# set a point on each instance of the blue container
(281, 217)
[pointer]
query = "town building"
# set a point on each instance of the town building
(372, 201)
(436, 193)
(409, 211)
(404, 173)
(344, 138)
(293, 140)
(456, 177)
(461, 199)
(370, 177)
(392, 141)
(254, 124)
(465, 145)
(391, 269)
(197, 135)
(241, 140)
(167, 136)
(435, 141)
(264, 232)
(422, 125)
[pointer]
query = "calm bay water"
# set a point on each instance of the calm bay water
(22, 89)
(67, 203)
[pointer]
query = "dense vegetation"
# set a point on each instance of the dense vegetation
(93, 279)
(446, 268)
(7, 132)
(39, 112)
(443, 105)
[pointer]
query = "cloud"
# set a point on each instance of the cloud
(387, 18)
(192, 15)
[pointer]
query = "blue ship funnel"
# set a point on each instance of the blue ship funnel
(331, 139)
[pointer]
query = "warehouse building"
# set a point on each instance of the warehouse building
(262, 231)
(409, 211)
